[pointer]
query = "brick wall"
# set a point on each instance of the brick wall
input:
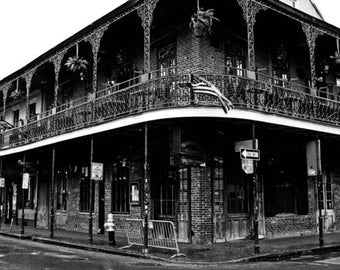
(289, 225)
(201, 216)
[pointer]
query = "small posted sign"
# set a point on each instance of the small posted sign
(97, 171)
(25, 180)
(2, 182)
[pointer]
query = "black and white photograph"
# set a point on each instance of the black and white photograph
(169, 134)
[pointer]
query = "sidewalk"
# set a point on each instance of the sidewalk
(233, 251)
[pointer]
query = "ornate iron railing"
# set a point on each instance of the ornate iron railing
(154, 92)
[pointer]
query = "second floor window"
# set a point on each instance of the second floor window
(167, 60)
(16, 117)
(280, 67)
(234, 59)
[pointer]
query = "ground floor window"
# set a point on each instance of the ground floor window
(120, 188)
(84, 198)
(165, 200)
(285, 186)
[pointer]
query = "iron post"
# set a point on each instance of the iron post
(146, 190)
(52, 194)
(320, 189)
(91, 195)
(23, 198)
(255, 206)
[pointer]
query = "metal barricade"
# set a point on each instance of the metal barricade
(161, 234)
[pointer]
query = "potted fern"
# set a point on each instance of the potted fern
(201, 21)
(77, 64)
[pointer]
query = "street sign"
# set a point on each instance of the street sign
(247, 166)
(2, 182)
(97, 171)
(252, 154)
(25, 180)
(245, 144)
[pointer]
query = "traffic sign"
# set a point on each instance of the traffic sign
(252, 154)
(247, 166)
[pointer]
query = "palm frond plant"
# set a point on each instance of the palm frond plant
(77, 64)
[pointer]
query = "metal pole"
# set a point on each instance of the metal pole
(320, 190)
(91, 202)
(36, 196)
(52, 193)
(23, 198)
(146, 190)
(255, 206)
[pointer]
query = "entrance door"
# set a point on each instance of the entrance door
(238, 225)
(101, 210)
(184, 205)
(328, 209)
(61, 200)
(42, 211)
(219, 217)
(9, 203)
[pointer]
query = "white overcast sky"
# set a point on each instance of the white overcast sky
(28, 28)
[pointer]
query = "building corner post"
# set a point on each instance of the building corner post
(320, 190)
(52, 194)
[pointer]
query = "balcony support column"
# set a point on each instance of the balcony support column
(56, 60)
(311, 36)
(145, 12)
(28, 78)
(250, 10)
(95, 40)
(4, 90)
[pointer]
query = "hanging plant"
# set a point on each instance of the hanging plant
(336, 56)
(16, 93)
(77, 64)
(201, 21)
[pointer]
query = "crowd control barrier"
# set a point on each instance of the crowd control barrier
(161, 234)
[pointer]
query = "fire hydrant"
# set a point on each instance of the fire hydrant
(110, 228)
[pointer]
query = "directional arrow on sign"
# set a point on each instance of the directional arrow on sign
(252, 154)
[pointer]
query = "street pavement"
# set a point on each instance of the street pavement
(29, 255)
(212, 254)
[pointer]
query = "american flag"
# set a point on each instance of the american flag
(202, 86)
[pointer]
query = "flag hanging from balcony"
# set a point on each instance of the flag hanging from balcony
(202, 86)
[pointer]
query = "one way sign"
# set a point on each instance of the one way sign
(252, 154)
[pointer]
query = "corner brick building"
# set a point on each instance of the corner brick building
(131, 108)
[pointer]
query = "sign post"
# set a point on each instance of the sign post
(2, 185)
(255, 155)
(25, 180)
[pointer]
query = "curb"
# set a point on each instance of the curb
(16, 235)
(288, 254)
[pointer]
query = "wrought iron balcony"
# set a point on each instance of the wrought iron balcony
(161, 90)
